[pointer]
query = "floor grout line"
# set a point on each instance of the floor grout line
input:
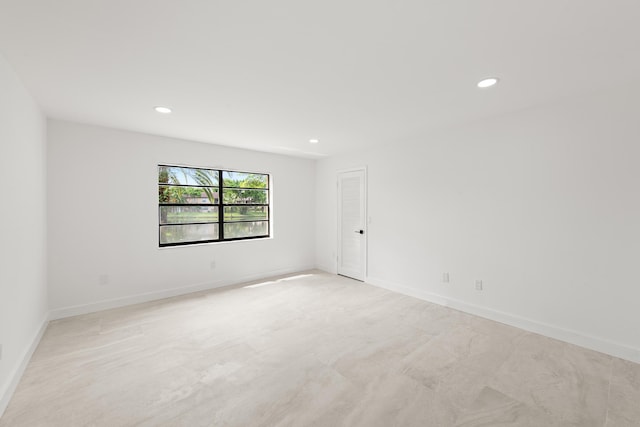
(606, 416)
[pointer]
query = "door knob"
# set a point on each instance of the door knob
(359, 231)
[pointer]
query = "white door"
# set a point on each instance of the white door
(352, 233)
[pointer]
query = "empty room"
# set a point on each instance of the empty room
(332, 213)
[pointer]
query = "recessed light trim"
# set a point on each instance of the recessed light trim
(162, 110)
(314, 141)
(488, 82)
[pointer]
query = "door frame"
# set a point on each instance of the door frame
(365, 214)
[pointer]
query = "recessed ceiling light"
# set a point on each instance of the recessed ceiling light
(314, 141)
(163, 110)
(491, 81)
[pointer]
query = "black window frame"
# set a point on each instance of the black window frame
(220, 206)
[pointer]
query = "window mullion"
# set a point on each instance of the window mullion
(220, 206)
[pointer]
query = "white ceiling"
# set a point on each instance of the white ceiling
(270, 75)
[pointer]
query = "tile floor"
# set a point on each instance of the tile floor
(313, 350)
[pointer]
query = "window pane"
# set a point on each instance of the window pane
(186, 214)
(245, 180)
(235, 230)
(245, 197)
(245, 213)
(188, 233)
(187, 176)
(188, 195)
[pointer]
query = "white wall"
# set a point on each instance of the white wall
(543, 205)
(103, 219)
(23, 291)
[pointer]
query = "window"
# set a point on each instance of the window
(197, 205)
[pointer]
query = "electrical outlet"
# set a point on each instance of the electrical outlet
(103, 279)
(212, 264)
(445, 278)
(478, 285)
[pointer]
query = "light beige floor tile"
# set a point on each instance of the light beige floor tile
(557, 378)
(624, 400)
(617, 420)
(493, 408)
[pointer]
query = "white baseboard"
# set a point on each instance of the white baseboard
(573, 337)
(16, 375)
(76, 310)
